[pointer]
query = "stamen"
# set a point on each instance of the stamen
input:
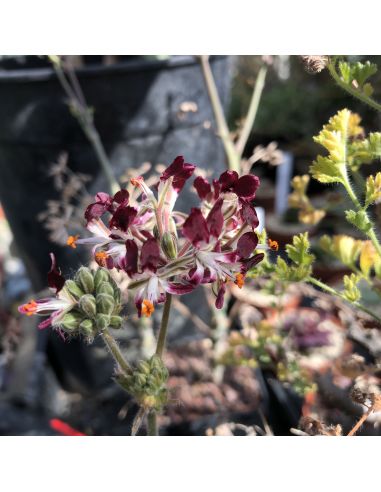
(101, 258)
(239, 280)
(137, 181)
(273, 245)
(147, 308)
(29, 308)
(72, 240)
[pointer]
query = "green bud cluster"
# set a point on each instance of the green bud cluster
(147, 383)
(98, 303)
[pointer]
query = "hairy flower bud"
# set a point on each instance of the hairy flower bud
(169, 245)
(116, 322)
(87, 327)
(101, 275)
(105, 288)
(74, 288)
(87, 304)
(71, 321)
(105, 304)
(85, 279)
(102, 321)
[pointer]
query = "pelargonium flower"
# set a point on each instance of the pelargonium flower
(163, 251)
(56, 307)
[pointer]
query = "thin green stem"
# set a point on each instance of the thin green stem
(115, 351)
(152, 423)
(252, 111)
(336, 293)
(352, 195)
(85, 119)
(354, 92)
(231, 153)
(164, 326)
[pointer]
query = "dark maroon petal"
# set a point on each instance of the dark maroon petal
(123, 217)
(131, 266)
(121, 196)
(179, 289)
(55, 279)
(216, 188)
(180, 170)
(202, 186)
(94, 211)
(150, 255)
(246, 244)
(227, 180)
(195, 227)
(104, 198)
(251, 262)
(246, 186)
(220, 297)
(249, 214)
(215, 219)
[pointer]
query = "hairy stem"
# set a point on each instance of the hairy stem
(336, 293)
(360, 422)
(152, 423)
(354, 92)
(252, 111)
(222, 127)
(164, 326)
(115, 351)
(352, 195)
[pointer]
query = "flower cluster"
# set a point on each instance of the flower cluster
(164, 251)
(85, 305)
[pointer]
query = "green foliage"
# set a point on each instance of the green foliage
(301, 258)
(359, 219)
(356, 74)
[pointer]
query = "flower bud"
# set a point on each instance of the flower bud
(70, 322)
(105, 288)
(101, 275)
(102, 321)
(85, 279)
(87, 304)
(116, 322)
(87, 327)
(144, 367)
(169, 245)
(74, 288)
(105, 304)
(140, 379)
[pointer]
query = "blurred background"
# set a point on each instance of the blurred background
(146, 111)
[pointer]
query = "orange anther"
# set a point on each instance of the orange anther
(147, 308)
(71, 241)
(240, 280)
(273, 245)
(29, 308)
(101, 258)
(136, 181)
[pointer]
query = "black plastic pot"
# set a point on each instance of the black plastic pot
(138, 115)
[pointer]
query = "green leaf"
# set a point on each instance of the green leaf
(356, 72)
(359, 219)
(298, 252)
(325, 171)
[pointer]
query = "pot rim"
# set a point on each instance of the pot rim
(45, 74)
